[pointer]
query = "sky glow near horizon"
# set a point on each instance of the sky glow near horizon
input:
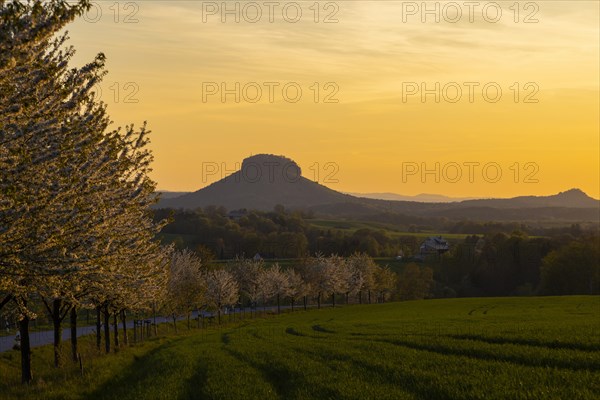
(371, 61)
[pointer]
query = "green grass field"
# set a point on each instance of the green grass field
(391, 229)
(494, 348)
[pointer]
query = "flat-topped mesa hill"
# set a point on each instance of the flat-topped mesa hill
(263, 181)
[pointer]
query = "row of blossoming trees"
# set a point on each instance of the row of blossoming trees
(76, 230)
(75, 226)
(246, 282)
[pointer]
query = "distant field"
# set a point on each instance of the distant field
(352, 226)
(495, 348)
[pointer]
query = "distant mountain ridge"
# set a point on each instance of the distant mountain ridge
(575, 198)
(266, 180)
(423, 197)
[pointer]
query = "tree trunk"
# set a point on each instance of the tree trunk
(369, 295)
(319, 301)
(124, 323)
(116, 330)
(360, 297)
(304, 300)
(174, 322)
(106, 330)
(135, 331)
(98, 328)
(278, 306)
(347, 294)
(57, 324)
(188, 320)
(292, 304)
(333, 300)
(26, 375)
(154, 315)
(74, 334)
(219, 314)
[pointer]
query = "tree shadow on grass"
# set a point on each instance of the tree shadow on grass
(141, 369)
(319, 328)
(285, 382)
(141, 377)
(196, 384)
(225, 338)
(291, 331)
(420, 386)
(529, 342)
(489, 355)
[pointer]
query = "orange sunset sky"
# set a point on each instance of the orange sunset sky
(372, 57)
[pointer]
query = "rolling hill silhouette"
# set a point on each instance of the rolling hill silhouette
(266, 180)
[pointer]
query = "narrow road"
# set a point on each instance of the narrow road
(42, 338)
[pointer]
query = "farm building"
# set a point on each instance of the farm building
(434, 245)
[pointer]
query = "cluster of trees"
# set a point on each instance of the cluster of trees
(516, 264)
(75, 226)
(194, 286)
(277, 234)
(573, 268)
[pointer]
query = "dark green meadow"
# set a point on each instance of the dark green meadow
(485, 348)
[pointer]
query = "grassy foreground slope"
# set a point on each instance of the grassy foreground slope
(494, 348)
